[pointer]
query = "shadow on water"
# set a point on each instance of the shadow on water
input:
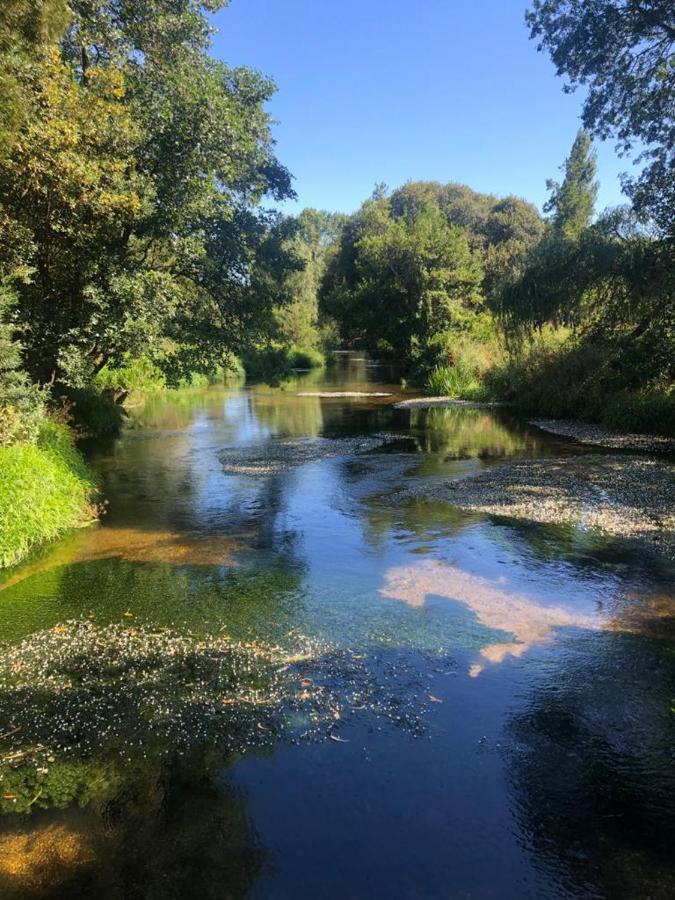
(115, 765)
(590, 762)
(175, 831)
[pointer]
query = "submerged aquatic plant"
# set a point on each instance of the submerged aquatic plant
(80, 694)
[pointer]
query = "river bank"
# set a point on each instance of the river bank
(46, 489)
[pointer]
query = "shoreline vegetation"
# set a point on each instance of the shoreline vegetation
(46, 489)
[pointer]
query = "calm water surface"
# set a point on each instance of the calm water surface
(528, 672)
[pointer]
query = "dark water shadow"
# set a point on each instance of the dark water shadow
(590, 763)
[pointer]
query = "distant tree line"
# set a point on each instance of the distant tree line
(570, 314)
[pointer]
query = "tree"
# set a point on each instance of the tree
(133, 196)
(622, 51)
(549, 287)
(572, 203)
(402, 276)
(316, 232)
(513, 228)
(27, 29)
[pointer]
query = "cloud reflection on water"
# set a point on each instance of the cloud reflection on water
(493, 604)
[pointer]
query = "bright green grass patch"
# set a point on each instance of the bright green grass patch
(45, 489)
(455, 382)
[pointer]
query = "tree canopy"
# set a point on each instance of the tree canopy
(623, 53)
(423, 261)
(131, 196)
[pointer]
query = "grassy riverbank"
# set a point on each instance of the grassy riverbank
(46, 488)
(555, 375)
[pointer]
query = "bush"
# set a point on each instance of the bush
(274, 362)
(647, 411)
(548, 376)
(45, 489)
(20, 420)
(195, 380)
(136, 375)
(267, 364)
(300, 358)
(462, 368)
(560, 376)
(22, 404)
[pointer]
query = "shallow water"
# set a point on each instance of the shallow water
(437, 704)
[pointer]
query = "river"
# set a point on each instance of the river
(368, 695)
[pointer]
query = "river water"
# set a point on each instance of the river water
(427, 703)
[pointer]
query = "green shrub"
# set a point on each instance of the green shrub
(136, 375)
(234, 368)
(550, 376)
(45, 489)
(647, 411)
(194, 380)
(274, 362)
(267, 364)
(22, 404)
(559, 376)
(300, 358)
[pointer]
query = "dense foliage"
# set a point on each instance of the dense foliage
(622, 52)
(316, 233)
(130, 195)
(610, 281)
(417, 268)
(133, 242)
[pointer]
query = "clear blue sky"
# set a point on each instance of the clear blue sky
(386, 90)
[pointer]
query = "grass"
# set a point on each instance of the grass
(453, 381)
(460, 373)
(46, 488)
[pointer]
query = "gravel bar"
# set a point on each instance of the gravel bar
(626, 496)
(276, 456)
(327, 395)
(585, 433)
(447, 403)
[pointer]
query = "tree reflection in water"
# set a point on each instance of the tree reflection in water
(174, 831)
(591, 769)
